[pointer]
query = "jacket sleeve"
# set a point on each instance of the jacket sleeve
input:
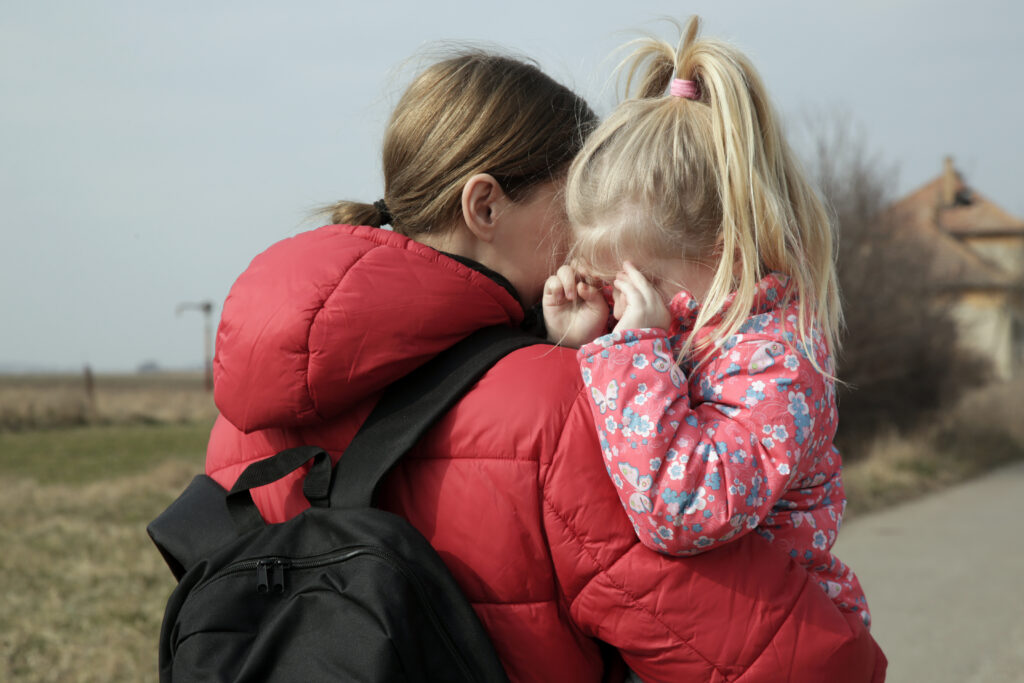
(694, 475)
(702, 618)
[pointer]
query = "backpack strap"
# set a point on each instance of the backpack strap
(410, 406)
(262, 472)
(205, 517)
(404, 412)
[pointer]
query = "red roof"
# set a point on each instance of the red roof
(942, 213)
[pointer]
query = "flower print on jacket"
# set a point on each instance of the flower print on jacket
(744, 442)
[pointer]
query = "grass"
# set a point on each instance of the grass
(983, 432)
(83, 587)
(900, 468)
(87, 454)
(33, 402)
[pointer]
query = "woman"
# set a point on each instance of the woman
(508, 486)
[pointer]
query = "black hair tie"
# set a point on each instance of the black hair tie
(382, 209)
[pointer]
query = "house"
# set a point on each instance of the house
(977, 252)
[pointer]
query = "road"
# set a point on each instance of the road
(944, 577)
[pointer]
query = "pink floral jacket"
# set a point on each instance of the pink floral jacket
(743, 441)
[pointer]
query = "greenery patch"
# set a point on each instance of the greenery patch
(86, 454)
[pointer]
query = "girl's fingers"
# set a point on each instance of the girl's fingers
(629, 290)
(588, 292)
(554, 292)
(642, 284)
(592, 300)
(567, 276)
(642, 304)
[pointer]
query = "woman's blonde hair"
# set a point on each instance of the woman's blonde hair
(709, 179)
(475, 112)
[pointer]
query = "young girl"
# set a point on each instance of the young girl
(713, 396)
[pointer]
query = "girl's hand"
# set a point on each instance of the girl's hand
(574, 312)
(637, 303)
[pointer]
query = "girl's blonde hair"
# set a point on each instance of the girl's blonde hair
(475, 112)
(709, 179)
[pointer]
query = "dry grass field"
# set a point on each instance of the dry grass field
(47, 401)
(984, 431)
(83, 588)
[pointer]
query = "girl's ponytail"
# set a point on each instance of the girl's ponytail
(772, 218)
(651, 67)
(740, 125)
(707, 176)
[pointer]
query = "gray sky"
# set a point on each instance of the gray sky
(149, 150)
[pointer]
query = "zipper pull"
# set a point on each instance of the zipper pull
(262, 582)
(278, 576)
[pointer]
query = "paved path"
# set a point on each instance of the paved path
(944, 578)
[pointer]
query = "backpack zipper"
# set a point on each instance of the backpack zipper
(270, 573)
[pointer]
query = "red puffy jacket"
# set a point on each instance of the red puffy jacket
(510, 485)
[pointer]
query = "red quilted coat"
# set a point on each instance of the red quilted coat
(510, 486)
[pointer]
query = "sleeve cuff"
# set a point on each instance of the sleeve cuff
(614, 343)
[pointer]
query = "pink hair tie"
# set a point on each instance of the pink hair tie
(683, 88)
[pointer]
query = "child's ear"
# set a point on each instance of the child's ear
(482, 198)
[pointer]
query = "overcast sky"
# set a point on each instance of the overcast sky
(149, 150)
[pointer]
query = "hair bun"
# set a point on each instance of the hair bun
(382, 209)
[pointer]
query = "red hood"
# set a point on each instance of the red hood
(329, 317)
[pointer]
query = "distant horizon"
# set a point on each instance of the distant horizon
(16, 369)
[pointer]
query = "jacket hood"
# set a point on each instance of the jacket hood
(323, 320)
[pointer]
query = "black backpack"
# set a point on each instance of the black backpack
(343, 591)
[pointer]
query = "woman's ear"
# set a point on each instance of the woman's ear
(482, 198)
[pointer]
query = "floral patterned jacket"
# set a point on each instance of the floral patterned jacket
(704, 453)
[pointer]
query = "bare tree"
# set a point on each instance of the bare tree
(900, 363)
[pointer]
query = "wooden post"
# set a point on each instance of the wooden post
(207, 309)
(90, 385)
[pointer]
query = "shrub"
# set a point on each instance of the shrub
(900, 365)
